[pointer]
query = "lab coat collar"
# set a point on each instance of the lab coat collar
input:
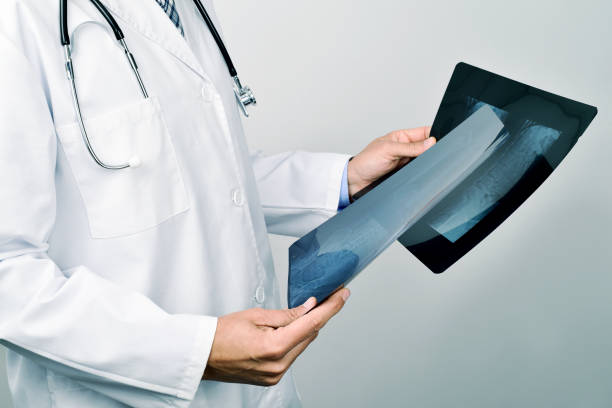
(149, 19)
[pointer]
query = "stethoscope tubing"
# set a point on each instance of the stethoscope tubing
(217, 37)
(244, 95)
(65, 36)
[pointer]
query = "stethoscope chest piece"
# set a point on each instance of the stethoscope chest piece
(244, 96)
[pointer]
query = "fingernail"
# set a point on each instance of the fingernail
(429, 142)
(310, 303)
(345, 294)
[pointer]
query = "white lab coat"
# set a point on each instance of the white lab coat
(111, 281)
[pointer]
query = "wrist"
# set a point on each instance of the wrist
(353, 180)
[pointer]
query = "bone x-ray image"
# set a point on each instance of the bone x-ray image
(540, 129)
(498, 140)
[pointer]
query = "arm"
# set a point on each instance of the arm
(72, 321)
(298, 190)
(301, 190)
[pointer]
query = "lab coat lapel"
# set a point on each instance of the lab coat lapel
(148, 18)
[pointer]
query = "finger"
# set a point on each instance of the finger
(414, 149)
(295, 352)
(279, 318)
(305, 326)
(280, 366)
(410, 135)
(403, 162)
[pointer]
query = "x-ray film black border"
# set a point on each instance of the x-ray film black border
(470, 81)
(499, 91)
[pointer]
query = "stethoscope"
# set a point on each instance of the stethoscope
(244, 94)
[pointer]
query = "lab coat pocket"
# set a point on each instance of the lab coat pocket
(130, 200)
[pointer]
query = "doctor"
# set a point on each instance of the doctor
(150, 286)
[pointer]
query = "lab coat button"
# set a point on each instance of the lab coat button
(260, 294)
(237, 197)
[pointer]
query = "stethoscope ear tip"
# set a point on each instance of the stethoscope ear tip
(134, 162)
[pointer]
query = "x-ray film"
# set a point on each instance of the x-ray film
(540, 129)
(498, 140)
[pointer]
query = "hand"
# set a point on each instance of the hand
(386, 154)
(257, 346)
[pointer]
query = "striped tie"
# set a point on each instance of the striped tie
(170, 8)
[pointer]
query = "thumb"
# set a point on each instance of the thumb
(282, 317)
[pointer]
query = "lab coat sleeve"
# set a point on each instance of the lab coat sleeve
(298, 190)
(73, 322)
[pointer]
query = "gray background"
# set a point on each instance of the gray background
(524, 320)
